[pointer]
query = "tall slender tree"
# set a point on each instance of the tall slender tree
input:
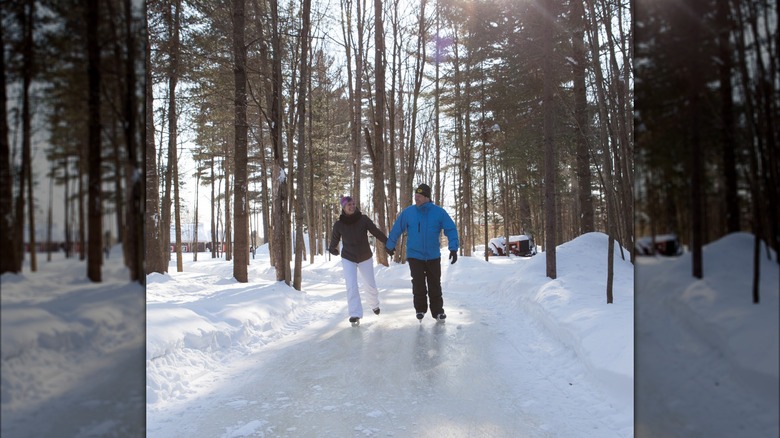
(586, 224)
(550, 162)
(25, 176)
(241, 210)
(377, 150)
(281, 248)
(134, 235)
(8, 258)
(694, 31)
(95, 250)
(155, 260)
(301, 150)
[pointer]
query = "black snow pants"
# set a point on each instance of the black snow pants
(426, 284)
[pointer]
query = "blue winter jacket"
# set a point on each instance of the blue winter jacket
(423, 225)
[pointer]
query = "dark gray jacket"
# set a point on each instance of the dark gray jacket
(352, 231)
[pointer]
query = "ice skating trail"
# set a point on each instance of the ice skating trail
(483, 373)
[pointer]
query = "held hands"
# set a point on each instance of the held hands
(453, 257)
(390, 252)
(333, 251)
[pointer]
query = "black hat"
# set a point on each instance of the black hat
(424, 190)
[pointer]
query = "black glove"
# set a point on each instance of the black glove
(333, 251)
(390, 252)
(453, 257)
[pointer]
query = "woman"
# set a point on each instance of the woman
(356, 256)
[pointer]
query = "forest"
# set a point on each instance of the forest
(707, 109)
(71, 117)
(518, 114)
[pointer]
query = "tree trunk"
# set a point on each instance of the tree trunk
(25, 177)
(465, 247)
(49, 214)
(228, 223)
(95, 254)
(312, 216)
(378, 155)
(395, 119)
(301, 153)
(155, 262)
(265, 70)
(612, 215)
(120, 172)
(67, 201)
(727, 123)
(550, 164)
(356, 92)
(266, 198)
(165, 206)
(9, 260)
(418, 78)
(240, 183)
(586, 223)
(173, 150)
(767, 78)
(279, 240)
(623, 175)
(241, 213)
(81, 217)
(212, 203)
(195, 231)
(134, 234)
(696, 164)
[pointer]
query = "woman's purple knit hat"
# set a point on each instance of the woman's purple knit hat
(345, 200)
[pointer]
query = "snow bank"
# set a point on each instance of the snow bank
(574, 307)
(719, 308)
(65, 340)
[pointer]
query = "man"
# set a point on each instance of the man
(423, 222)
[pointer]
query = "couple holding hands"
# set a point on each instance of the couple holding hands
(423, 223)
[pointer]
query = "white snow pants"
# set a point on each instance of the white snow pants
(366, 269)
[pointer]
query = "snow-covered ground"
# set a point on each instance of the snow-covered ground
(519, 355)
(707, 357)
(72, 351)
